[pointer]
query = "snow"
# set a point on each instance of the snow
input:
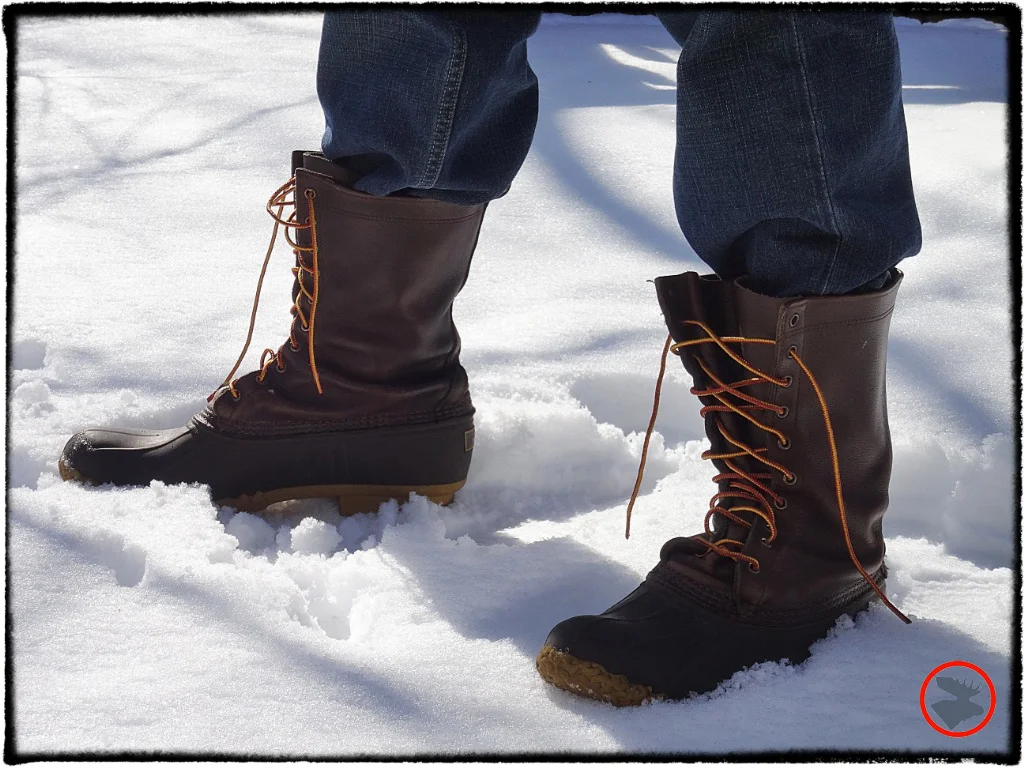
(148, 619)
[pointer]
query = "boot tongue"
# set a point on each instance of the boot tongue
(758, 317)
(727, 310)
(337, 172)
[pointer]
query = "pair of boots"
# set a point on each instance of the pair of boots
(367, 401)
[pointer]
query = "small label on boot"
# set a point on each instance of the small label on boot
(470, 435)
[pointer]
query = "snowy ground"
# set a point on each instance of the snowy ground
(148, 619)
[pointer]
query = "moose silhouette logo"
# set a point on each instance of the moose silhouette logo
(973, 701)
(954, 711)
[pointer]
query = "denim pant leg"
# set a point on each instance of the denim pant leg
(791, 162)
(439, 104)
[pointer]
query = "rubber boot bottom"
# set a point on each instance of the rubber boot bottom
(585, 678)
(351, 499)
(743, 646)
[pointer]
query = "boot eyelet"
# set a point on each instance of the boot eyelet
(781, 503)
(310, 193)
(791, 480)
(787, 382)
(794, 320)
(765, 543)
(293, 347)
(236, 396)
(792, 350)
(784, 412)
(785, 445)
(280, 368)
(753, 567)
(304, 328)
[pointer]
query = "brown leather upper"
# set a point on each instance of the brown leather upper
(842, 340)
(385, 344)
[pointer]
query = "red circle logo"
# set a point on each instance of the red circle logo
(956, 706)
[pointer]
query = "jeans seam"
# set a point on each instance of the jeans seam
(445, 113)
(821, 155)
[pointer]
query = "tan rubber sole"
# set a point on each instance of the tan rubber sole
(352, 499)
(69, 473)
(585, 678)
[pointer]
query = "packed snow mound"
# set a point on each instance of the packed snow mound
(150, 619)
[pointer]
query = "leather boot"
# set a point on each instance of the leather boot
(366, 400)
(794, 406)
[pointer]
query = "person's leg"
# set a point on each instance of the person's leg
(792, 164)
(793, 184)
(431, 114)
(439, 104)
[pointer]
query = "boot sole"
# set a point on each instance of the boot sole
(591, 680)
(352, 499)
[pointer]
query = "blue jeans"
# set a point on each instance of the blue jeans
(791, 163)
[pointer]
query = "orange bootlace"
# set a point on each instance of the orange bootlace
(280, 200)
(750, 487)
